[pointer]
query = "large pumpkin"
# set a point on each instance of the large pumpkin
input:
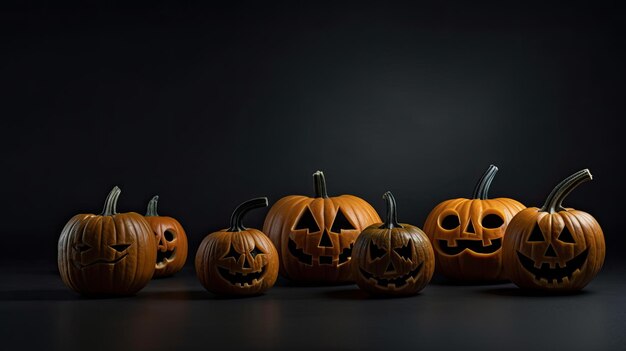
(107, 254)
(467, 233)
(238, 260)
(554, 248)
(315, 235)
(171, 241)
(391, 258)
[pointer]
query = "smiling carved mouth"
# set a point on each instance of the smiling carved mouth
(398, 281)
(557, 273)
(241, 279)
(307, 259)
(471, 245)
(99, 261)
(165, 257)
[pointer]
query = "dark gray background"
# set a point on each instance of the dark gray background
(210, 106)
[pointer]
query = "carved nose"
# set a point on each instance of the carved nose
(390, 268)
(325, 240)
(470, 228)
(246, 264)
(550, 251)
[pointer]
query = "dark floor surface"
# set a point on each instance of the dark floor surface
(38, 312)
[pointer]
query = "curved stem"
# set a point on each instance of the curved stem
(482, 187)
(110, 204)
(152, 207)
(392, 216)
(320, 184)
(236, 218)
(554, 201)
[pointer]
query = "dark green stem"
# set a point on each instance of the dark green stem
(482, 187)
(554, 201)
(110, 204)
(392, 216)
(236, 218)
(320, 184)
(152, 207)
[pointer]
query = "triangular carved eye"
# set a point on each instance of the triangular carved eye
(232, 253)
(376, 252)
(536, 235)
(405, 252)
(255, 252)
(566, 236)
(307, 221)
(341, 222)
(120, 247)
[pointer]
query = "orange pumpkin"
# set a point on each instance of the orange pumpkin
(391, 258)
(467, 233)
(315, 235)
(238, 260)
(553, 248)
(171, 241)
(107, 254)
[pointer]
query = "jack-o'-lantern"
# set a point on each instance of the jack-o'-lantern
(554, 248)
(107, 254)
(467, 233)
(315, 236)
(171, 241)
(238, 260)
(391, 258)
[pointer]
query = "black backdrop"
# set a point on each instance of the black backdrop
(210, 106)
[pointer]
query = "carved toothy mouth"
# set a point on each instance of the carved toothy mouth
(397, 282)
(553, 274)
(471, 245)
(165, 257)
(307, 259)
(241, 279)
(99, 261)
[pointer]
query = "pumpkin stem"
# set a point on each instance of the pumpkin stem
(152, 207)
(235, 219)
(482, 187)
(392, 216)
(110, 204)
(554, 202)
(320, 184)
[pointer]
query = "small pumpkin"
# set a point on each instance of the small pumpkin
(467, 233)
(238, 260)
(315, 235)
(171, 241)
(554, 248)
(107, 254)
(391, 258)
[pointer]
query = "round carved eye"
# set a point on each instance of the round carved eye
(169, 235)
(492, 221)
(80, 247)
(449, 222)
(255, 252)
(566, 236)
(376, 252)
(120, 247)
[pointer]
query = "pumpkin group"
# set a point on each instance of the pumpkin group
(315, 235)
(107, 254)
(467, 233)
(391, 258)
(553, 248)
(171, 241)
(238, 260)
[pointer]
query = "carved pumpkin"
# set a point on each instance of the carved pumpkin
(467, 233)
(315, 236)
(171, 241)
(107, 254)
(238, 260)
(391, 258)
(554, 248)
